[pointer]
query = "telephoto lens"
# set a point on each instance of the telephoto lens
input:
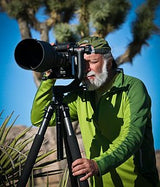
(38, 56)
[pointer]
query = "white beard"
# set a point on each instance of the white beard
(99, 80)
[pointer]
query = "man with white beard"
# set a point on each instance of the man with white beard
(114, 114)
(93, 79)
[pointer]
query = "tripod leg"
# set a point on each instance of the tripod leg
(73, 179)
(32, 155)
(72, 142)
(59, 130)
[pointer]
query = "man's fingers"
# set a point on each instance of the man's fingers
(78, 162)
(83, 172)
(79, 172)
(86, 177)
(78, 168)
(84, 167)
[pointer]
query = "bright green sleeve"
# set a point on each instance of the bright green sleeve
(136, 117)
(42, 99)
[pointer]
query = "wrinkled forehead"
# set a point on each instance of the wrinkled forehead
(93, 56)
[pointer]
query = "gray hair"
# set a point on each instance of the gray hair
(108, 56)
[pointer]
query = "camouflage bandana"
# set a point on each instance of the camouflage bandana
(100, 45)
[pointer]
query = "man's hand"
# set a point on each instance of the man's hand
(84, 166)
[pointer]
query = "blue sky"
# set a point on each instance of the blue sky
(18, 89)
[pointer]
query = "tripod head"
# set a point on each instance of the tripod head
(74, 85)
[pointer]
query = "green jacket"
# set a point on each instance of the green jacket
(116, 130)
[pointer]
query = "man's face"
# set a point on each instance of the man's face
(96, 71)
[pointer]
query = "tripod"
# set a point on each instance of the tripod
(64, 129)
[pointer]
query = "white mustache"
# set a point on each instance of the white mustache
(91, 73)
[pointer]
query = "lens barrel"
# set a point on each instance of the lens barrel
(38, 55)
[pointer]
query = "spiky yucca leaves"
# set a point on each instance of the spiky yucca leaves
(13, 155)
(19, 8)
(60, 11)
(65, 32)
(65, 178)
(107, 16)
(84, 17)
(142, 29)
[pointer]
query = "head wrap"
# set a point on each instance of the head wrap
(100, 45)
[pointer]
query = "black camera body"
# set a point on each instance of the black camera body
(65, 60)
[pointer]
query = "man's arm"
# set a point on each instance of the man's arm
(41, 101)
(137, 117)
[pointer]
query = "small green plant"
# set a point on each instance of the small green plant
(13, 155)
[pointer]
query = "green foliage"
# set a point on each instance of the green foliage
(13, 155)
(108, 15)
(144, 26)
(84, 17)
(92, 18)
(22, 8)
(65, 178)
(59, 5)
(65, 32)
(142, 29)
(64, 8)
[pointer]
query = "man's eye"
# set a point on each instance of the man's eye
(93, 61)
